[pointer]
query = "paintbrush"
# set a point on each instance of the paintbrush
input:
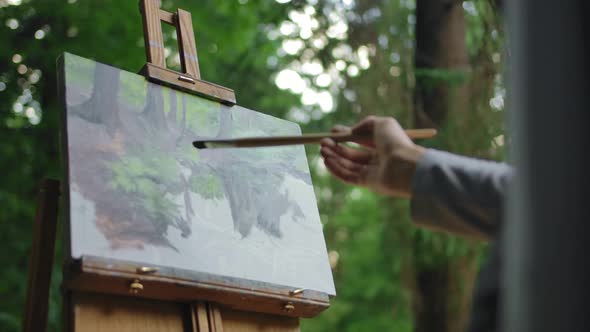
(253, 142)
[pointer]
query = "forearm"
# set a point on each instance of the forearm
(460, 195)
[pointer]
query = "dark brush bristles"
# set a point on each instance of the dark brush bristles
(200, 145)
(213, 145)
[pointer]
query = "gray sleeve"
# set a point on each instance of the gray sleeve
(459, 195)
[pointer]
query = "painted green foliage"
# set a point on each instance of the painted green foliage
(142, 149)
(134, 176)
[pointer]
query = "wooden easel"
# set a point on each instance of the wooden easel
(105, 295)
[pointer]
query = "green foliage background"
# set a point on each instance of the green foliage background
(373, 246)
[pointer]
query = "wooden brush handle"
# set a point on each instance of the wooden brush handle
(412, 133)
(316, 138)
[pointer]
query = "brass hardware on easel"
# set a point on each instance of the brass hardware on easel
(296, 291)
(186, 79)
(135, 286)
(289, 307)
(146, 270)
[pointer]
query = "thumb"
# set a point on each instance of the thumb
(365, 139)
(337, 129)
(366, 130)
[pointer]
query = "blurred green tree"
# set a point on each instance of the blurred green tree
(317, 62)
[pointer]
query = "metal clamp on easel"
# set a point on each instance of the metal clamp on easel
(189, 79)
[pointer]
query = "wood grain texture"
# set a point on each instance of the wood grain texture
(152, 32)
(168, 17)
(200, 317)
(41, 258)
(205, 89)
(215, 321)
(242, 321)
(186, 44)
(102, 313)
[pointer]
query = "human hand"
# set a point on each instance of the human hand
(386, 163)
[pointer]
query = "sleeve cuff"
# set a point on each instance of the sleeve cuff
(421, 207)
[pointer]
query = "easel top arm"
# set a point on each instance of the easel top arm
(189, 79)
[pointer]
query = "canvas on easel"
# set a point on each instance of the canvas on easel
(140, 192)
(158, 229)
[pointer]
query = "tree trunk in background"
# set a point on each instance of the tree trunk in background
(443, 292)
(440, 59)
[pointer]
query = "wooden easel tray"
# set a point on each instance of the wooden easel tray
(93, 274)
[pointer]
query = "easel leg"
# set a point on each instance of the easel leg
(41, 259)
